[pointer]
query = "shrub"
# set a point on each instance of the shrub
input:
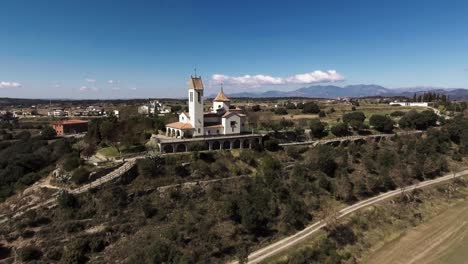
(290, 105)
(256, 108)
(317, 128)
(420, 121)
(354, 119)
(340, 130)
(322, 114)
(381, 123)
(67, 200)
(71, 162)
(281, 111)
(48, 133)
(80, 175)
(311, 108)
(29, 253)
(271, 145)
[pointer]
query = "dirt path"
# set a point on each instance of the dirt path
(275, 248)
(443, 239)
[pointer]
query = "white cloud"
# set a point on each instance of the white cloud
(112, 82)
(116, 88)
(4, 84)
(84, 88)
(133, 88)
(89, 80)
(260, 80)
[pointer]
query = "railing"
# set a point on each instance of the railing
(351, 138)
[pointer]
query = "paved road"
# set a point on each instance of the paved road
(285, 243)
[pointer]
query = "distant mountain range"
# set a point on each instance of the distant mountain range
(360, 90)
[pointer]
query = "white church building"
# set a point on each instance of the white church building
(222, 120)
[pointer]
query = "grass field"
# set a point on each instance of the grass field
(443, 239)
(433, 230)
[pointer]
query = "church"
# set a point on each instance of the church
(222, 120)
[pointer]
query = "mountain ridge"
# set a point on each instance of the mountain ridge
(356, 90)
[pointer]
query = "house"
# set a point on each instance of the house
(57, 112)
(422, 104)
(154, 107)
(222, 120)
(72, 126)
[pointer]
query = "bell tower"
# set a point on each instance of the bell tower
(195, 96)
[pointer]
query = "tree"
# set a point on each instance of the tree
(340, 130)
(48, 133)
(67, 200)
(317, 128)
(354, 119)
(381, 123)
(290, 105)
(310, 108)
(256, 108)
(420, 121)
(89, 150)
(71, 162)
(110, 133)
(271, 145)
(80, 175)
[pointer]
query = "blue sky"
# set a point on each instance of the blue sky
(121, 49)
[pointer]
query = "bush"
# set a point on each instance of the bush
(281, 111)
(256, 108)
(340, 130)
(71, 162)
(354, 119)
(150, 167)
(322, 114)
(29, 253)
(48, 133)
(290, 105)
(317, 128)
(67, 200)
(80, 175)
(311, 108)
(420, 121)
(381, 123)
(271, 145)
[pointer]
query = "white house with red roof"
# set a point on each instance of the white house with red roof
(222, 120)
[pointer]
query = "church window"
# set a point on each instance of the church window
(199, 97)
(191, 96)
(198, 130)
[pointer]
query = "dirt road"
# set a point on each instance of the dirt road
(443, 239)
(285, 243)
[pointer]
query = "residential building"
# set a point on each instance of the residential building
(72, 126)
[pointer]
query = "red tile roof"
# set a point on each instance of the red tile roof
(221, 97)
(180, 125)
